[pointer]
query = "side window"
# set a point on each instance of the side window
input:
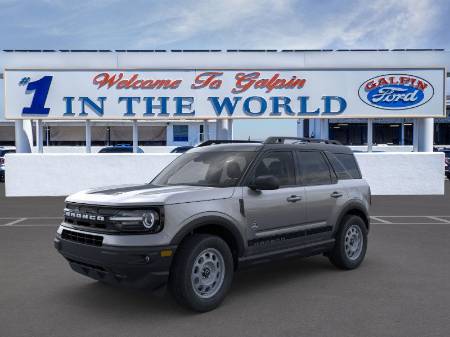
(180, 133)
(344, 165)
(313, 168)
(349, 162)
(340, 170)
(279, 164)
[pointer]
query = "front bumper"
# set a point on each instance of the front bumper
(140, 267)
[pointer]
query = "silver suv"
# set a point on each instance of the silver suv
(217, 208)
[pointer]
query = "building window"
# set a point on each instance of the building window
(180, 133)
(202, 133)
(349, 134)
(7, 135)
(442, 133)
(389, 134)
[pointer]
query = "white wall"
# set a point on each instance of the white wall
(95, 149)
(397, 173)
(63, 174)
(387, 173)
(383, 148)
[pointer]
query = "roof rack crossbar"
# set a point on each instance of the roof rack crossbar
(281, 140)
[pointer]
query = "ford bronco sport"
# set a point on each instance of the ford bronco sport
(217, 208)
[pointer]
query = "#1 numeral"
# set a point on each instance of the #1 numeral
(40, 88)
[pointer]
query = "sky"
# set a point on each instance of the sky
(231, 24)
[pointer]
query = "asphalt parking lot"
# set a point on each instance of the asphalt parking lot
(402, 288)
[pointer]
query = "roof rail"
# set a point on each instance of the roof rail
(225, 141)
(281, 140)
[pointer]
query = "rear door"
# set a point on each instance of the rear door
(324, 194)
(271, 214)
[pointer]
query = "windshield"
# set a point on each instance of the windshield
(215, 169)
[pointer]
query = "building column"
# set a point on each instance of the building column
(416, 134)
(229, 129)
(135, 136)
(314, 128)
(369, 135)
(300, 124)
(39, 137)
(402, 133)
(205, 130)
(24, 136)
(222, 129)
(425, 134)
(88, 136)
(324, 129)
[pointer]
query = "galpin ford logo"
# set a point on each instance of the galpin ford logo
(396, 91)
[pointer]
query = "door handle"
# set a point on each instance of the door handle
(336, 194)
(294, 198)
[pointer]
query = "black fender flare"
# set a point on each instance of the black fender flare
(215, 220)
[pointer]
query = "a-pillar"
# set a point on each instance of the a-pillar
(24, 136)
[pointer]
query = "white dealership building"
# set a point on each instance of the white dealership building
(59, 135)
(78, 100)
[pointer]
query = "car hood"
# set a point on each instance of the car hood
(128, 195)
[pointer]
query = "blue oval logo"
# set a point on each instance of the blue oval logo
(396, 91)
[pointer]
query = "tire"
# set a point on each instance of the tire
(202, 272)
(351, 243)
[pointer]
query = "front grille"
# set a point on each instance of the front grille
(93, 224)
(87, 239)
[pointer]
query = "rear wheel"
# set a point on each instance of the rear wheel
(202, 272)
(351, 243)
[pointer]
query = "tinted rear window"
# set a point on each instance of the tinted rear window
(280, 164)
(313, 169)
(344, 165)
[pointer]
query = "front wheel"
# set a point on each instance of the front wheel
(202, 272)
(351, 243)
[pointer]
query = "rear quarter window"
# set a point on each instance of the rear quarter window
(344, 165)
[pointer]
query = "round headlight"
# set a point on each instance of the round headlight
(149, 219)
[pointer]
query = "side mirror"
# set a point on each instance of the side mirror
(267, 182)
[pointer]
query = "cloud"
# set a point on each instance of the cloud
(259, 24)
